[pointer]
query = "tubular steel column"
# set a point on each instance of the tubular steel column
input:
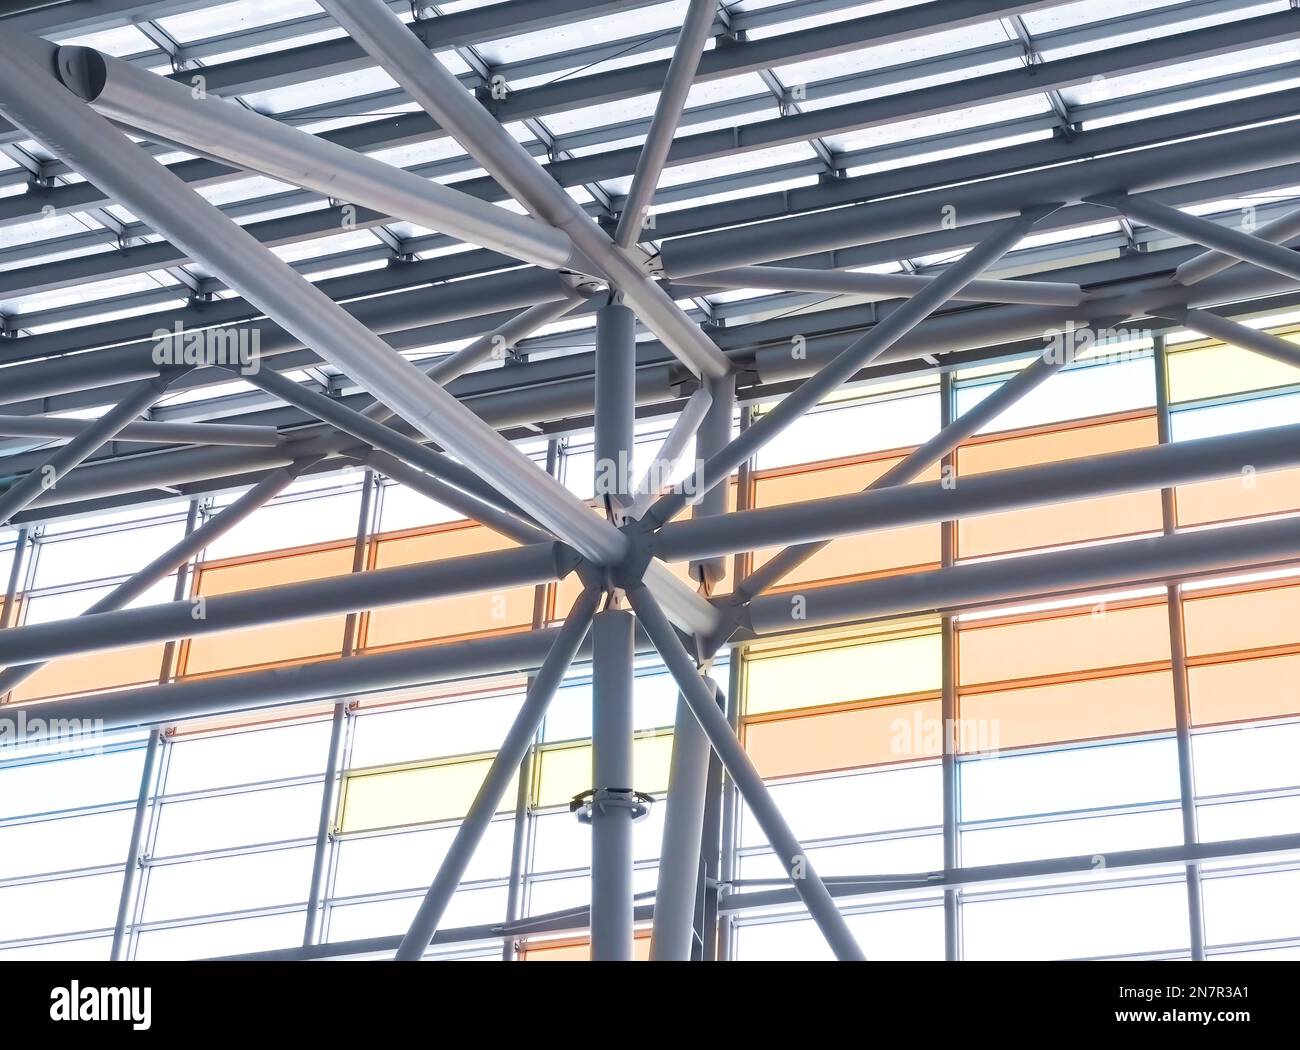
(613, 652)
(338, 723)
(1178, 668)
(148, 772)
(948, 702)
(679, 856)
(499, 774)
(11, 590)
(702, 697)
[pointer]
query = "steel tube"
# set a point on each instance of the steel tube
(1130, 563)
(98, 432)
(149, 431)
(378, 588)
(380, 435)
(1207, 264)
(666, 457)
(890, 285)
(226, 130)
(1238, 334)
(696, 26)
(679, 852)
(194, 541)
(612, 653)
(1138, 171)
(702, 699)
(405, 58)
(673, 931)
(503, 769)
(948, 438)
(1224, 239)
(499, 521)
(899, 505)
(89, 144)
(615, 404)
(850, 360)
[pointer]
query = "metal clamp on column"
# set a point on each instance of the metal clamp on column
(619, 798)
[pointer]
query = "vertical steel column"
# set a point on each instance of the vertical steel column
(11, 590)
(705, 932)
(948, 703)
(502, 770)
(148, 773)
(1178, 668)
(338, 722)
(741, 567)
(688, 779)
(702, 698)
(613, 651)
(615, 402)
(523, 818)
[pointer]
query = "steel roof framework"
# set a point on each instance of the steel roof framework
(1142, 170)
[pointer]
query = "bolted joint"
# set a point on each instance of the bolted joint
(622, 576)
(585, 803)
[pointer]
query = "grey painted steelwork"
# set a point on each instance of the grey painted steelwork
(379, 588)
(613, 636)
(696, 26)
(974, 584)
(91, 145)
(177, 433)
(178, 555)
(213, 126)
(1150, 169)
(504, 766)
(92, 435)
(890, 285)
(425, 79)
(701, 697)
(859, 353)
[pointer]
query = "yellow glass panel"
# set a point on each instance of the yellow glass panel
(1249, 619)
(301, 640)
(414, 794)
(845, 738)
(1213, 371)
(849, 557)
(135, 665)
(565, 770)
(1125, 514)
(469, 614)
(1056, 644)
(1241, 690)
(1248, 495)
(833, 675)
(1124, 705)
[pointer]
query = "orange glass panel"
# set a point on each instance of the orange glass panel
(1055, 644)
(1246, 496)
(844, 738)
(1123, 705)
(480, 613)
(1120, 515)
(1258, 618)
(1240, 690)
(580, 951)
(849, 557)
(285, 643)
(136, 665)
